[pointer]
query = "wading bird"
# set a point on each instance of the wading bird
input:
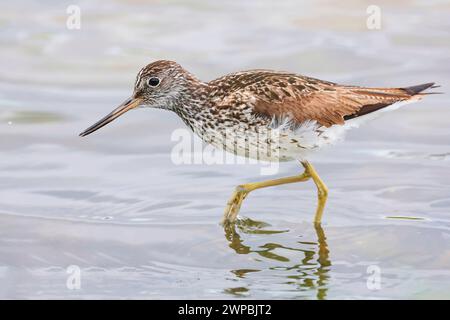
(283, 116)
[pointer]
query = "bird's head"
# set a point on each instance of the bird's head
(161, 84)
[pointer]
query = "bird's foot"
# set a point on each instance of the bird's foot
(234, 205)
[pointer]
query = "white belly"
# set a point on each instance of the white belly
(273, 144)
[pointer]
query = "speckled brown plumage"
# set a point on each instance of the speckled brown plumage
(247, 103)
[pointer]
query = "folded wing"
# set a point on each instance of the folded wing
(273, 94)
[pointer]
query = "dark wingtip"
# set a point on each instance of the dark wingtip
(419, 88)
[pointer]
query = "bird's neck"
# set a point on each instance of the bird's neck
(194, 104)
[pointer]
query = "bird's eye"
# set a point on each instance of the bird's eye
(153, 82)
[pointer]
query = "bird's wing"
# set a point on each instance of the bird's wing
(273, 94)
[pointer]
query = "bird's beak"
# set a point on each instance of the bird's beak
(127, 105)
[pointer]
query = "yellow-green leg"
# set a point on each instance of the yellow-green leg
(322, 191)
(241, 192)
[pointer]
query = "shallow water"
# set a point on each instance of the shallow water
(139, 226)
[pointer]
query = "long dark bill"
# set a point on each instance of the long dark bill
(129, 104)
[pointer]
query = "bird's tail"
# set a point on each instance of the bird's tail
(418, 89)
(390, 98)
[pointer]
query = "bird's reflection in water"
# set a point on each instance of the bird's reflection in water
(309, 272)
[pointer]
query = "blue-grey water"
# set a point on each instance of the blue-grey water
(136, 225)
